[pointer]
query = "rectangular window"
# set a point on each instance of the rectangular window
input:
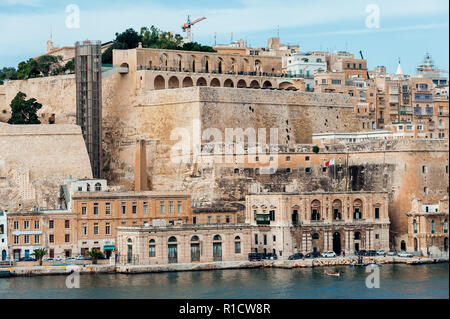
(218, 219)
(377, 236)
(274, 238)
(95, 208)
(51, 224)
(145, 207)
(108, 229)
(161, 207)
(171, 206)
(237, 247)
(51, 238)
(179, 207)
(377, 212)
(227, 219)
(107, 208)
(26, 224)
(84, 229)
(16, 225)
(67, 223)
(151, 251)
(67, 238)
(134, 208)
(83, 210)
(209, 220)
(424, 169)
(272, 215)
(26, 239)
(265, 239)
(194, 220)
(16, 239)
(36, 224)
(95, 228)
(124, 208)
(256, 239)
(288, 158)
(37, 239)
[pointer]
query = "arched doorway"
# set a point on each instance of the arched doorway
(130, 251)
(3, 255)
(217, 248)
(337, 243)
(172, 250)
(215, 82)
(174, 83)
(241, 84)
(201, 82)
(403, 245)
(187, 82)
(195, 248)
(228, 83)
(254, 84)
(295, 217)
(159, 83)
(267, 84)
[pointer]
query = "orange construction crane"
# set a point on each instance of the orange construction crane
(187, 27)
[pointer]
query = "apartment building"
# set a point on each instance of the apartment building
(3, 236)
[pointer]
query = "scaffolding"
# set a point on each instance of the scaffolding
(88, 71)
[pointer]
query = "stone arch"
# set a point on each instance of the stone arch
(241, 84)
(174, 82)
(228, 83)
(244, 65)
(163, 61)
(254, 84)
(267, 84)
(233, 65)
(172, 239)
(220, 65)
(201, 81)
(159, 83)
(258, 66)
(192, 64)
(205, 64)
(215, 82)
(285, 85)
(187, 82)
(124, 65)
(178, 62)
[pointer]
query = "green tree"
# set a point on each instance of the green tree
(69, 66)
(316, 149)
(46, 63)
(95, 255)
(24, 111)
(8, 73)
(39, 254)
(129, 37)
(29, 69)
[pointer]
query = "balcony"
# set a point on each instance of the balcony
(431, 126)
(393, 110)
(262, 219)
(423, 97)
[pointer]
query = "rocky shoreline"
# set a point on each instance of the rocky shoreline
(139, 269)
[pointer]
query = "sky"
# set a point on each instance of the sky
(405, 29)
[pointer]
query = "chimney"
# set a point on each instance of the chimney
(140, 167)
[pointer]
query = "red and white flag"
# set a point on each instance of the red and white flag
(331, 162)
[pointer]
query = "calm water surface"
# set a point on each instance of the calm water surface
(396, 281)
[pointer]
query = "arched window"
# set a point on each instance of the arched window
(433, 227)
(357, 209)
(217, 237)
(88, 187)
(151, 248)
(357, 235)
(237, 245)
(415, 226)
(172, 239)
(445, 227)
(337, 210)
(315, 210)
(129, 240)
(315, 236)
(98, 187)
(195, 238)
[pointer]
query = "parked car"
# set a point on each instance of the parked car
(270, 256)
(392, 253)
(70, 258)
(361, 253)
(371, 253)
(79, 257)
(329, 254)
(404, 254)
(47, 259)
(27, 259)
(58, 258)
(381, 252)
(314, 254)
(296, 256)
(254, 257)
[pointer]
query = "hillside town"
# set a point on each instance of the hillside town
(173, 156)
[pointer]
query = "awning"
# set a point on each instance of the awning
(109, 247)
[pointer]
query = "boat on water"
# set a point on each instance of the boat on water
(332, 273)
(5, 273)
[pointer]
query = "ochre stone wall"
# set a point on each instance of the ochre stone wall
(35, 160)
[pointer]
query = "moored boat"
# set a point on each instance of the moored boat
(332, 273)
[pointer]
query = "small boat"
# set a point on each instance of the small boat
(332, 273)
(5, 274)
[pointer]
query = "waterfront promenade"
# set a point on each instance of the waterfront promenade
(33, 270)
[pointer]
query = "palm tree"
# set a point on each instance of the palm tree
(95, 255)
(39, 254)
